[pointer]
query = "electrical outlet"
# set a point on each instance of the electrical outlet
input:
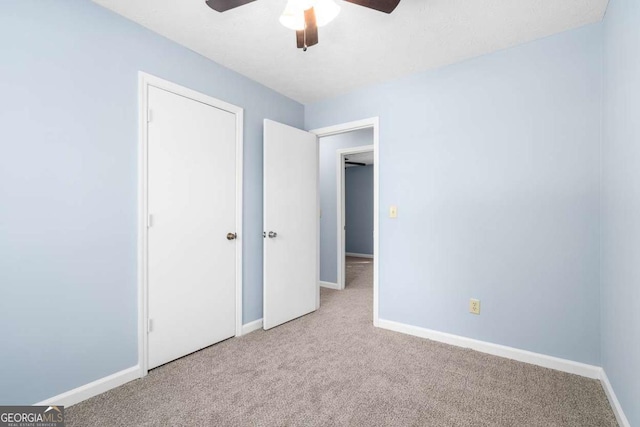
(474, 306)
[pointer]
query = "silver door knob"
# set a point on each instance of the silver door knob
(231, 236)
(272, 234)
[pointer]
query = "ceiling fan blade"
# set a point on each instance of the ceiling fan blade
(386, 6)
(309, 36)
(224, 5)
(355, 163)
(300, 39)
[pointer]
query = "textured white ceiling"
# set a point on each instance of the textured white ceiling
(361, 46)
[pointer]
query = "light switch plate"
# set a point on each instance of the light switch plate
(393, 212)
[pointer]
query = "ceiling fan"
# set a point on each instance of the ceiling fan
(305, 16)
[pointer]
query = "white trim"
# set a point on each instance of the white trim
(318, 215)
(613, 400)
(370, 256)
(144, 81)
(374, 123)
(247, 328)
(346, 127)
(94, 388)
(341, 209)
(564, 365)
(341, 212)
(239, 112)
(329, 285)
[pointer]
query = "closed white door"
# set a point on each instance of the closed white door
(191, 200)
(291, 223)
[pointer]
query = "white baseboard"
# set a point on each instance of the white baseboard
(94, 388)
(329, 285)
(564, 365)
(251, 326)
(87, 391)
(359, 255)
(613, 400)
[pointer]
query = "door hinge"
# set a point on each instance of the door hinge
(149, 116)
(149, 221)
(150, 325)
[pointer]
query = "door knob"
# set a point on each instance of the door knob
(231, 236)
(272, 234)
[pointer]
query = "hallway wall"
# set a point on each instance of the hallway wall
(359, 210)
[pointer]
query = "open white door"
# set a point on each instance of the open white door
(290, 223)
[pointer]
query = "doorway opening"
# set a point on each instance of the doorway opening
(355, 213)
(343, 149)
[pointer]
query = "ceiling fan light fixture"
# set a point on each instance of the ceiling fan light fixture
(293, 15)
(326, 11)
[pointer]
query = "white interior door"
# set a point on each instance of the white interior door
(291, 223)
(191, 202)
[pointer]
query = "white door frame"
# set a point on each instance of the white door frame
(341, 208)
(144, 82)
(373, 123)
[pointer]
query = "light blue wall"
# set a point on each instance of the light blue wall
(359, 209)
(494, 165)
(621, 205)
(68, 173)
(328, 197)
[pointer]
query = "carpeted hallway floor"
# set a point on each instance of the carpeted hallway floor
(333, 367)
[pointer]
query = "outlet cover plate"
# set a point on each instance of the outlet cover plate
(474, 306)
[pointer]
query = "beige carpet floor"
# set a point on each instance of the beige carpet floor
(333, 367)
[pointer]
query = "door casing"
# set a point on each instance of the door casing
(373, 123)
(144, 82)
